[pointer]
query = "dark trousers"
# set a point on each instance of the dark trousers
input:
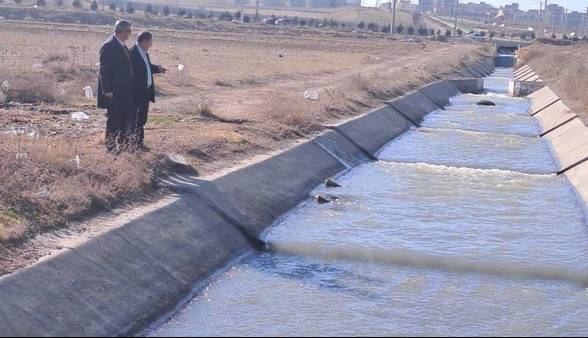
(120, 124)
(141, 110)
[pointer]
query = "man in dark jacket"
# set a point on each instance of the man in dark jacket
(115, 93)
(143, 85)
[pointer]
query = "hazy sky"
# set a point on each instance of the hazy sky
(578, 5)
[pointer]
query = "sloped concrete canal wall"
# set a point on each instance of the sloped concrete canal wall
(120, 282)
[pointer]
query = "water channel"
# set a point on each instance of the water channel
(474, 183)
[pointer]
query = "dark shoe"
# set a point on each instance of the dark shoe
(143, 148)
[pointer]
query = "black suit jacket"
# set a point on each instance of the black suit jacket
(142, 93)
(116, 76)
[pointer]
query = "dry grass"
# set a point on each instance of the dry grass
(565, 68)
(235, 98)
(48, 181)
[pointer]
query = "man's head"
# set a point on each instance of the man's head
(145, 40)
(122, 30)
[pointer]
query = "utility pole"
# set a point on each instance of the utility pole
(257, 10)
(583, 23)
(544, 22)
(539, 18)
(565, 22)
(393, 23)
(455, 13)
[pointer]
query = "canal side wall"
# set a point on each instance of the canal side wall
(568, 138)
(124, 280)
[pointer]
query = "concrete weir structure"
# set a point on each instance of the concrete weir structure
(122, 281)
(567, 135)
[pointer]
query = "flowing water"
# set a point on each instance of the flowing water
(473, 186)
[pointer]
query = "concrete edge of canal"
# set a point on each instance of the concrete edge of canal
(566, 133)
(122, 281)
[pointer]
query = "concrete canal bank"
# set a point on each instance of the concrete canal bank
(120, 282)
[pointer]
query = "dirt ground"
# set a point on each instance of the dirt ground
(240, 94)
(565, 69)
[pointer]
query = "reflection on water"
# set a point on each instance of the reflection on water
(465, 188)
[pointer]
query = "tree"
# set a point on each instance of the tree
(400, 29)
(41, 3)
(226, 16)
(385, 29)
(166, 11)
(77, 4)
(492, 35)
(422, 31)
(246, 19)
(181, 12)
(361, 25)
(438, 32)
(460, 32)
(94, 6)
(112, 6)
(130, 8)
(148, 9)
(372, 27)
(303, 22)
(59, 3)
(210, 15)
(410, 30)
(238, 15)
(448, 33)
(17, 1)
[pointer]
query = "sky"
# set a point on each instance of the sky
(577, 5)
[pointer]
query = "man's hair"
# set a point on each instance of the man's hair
(144, 36)
(121, 26)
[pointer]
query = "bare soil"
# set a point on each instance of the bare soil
(240, 95)
(565, 69)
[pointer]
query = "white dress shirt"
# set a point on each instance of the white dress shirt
(146, 60)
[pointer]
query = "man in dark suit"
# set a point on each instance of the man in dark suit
(143, 85)
(115, 93)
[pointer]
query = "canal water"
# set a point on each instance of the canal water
(474, 184)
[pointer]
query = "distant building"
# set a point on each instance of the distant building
(478, 11)
(426, 6)
(300, 3)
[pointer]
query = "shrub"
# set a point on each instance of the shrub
(94, 6)
(77, 3)
(30, 89)
(410, 30)
(166, 11)
(360, 25)
(112, 6)
(448, 33)
(226, 16)
(400, 29)
(130, 8)
(41, 3)
(149, 9)
(372, 27)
